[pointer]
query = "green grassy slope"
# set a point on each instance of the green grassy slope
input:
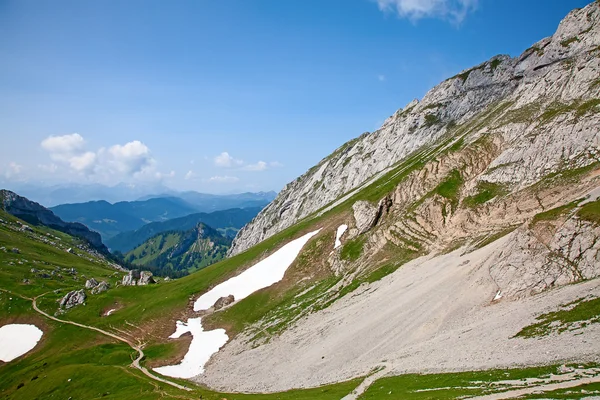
(176, 253)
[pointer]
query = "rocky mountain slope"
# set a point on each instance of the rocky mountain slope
(36, 214)
(540, 108)
(470, 215)
(177, 253)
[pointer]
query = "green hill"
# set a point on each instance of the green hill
(177, 253)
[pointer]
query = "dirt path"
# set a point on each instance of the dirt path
(137, 348)
(539, 389)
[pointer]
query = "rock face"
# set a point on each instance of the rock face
(101, 287)
(556, 78)
(223, 301)
(73, 299)
(37, 214)
(91, 283)
(135, 277)
(365, 215)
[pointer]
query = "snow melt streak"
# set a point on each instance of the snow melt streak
(206, 343)
(340, 231)
(18, 339)
(261, 275)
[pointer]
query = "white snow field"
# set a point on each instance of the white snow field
(338, 235)
(261, 275)
(206, 343)
(18, 339)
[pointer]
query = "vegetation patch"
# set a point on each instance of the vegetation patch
(452, 385)
(352, 249)
(450, 188)
(586, 107)
(486, 191)
(431, 119)
(590, 212)
(495, 63)
(569, 317)
(554, 213)
(568, 41)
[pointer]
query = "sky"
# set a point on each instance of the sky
(230, 95)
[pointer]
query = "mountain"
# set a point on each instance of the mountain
(213, 202)
(533, 104)
(54, 195)
(228, 222)
(177, 253)
(36, 214)
(112, 219)
(464, 264)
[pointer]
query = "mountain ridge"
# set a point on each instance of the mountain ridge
(452, 102)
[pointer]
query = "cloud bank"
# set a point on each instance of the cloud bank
(452, 10)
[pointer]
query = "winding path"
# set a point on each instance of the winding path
(135, 363)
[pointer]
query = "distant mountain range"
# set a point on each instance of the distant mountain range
(227, 222)
(111, 219)
(50, 196)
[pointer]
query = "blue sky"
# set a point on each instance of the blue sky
(228, 95)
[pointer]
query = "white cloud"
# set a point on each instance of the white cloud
(275, 164)
(127, 161)
(84, 162)
(66, 144)
(259, 166)
(131, 158)
(190, 175)
(13, 170)
(453, 10)
(223, 179)
(224, 160)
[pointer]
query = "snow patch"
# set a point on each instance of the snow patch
(112, 310)
(340, 231)
(498, 296)
(18, 339)
(204, 345)
(261, 275)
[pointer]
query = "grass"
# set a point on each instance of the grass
(486, 191)
(567, 42)
(590, 212)
(352, 249)
(554, 213)
(572, 316)
(450, 188)
(450, 385)
(578, 392)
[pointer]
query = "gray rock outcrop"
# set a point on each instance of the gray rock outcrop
(73, 299)
(101, 287)
(135, 277)
(365, 215)
(536, 100)
(223, 301)
(91, 283)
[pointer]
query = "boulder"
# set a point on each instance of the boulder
(101, 287)
(365, 215)
(145, 278)
(223, 301)
(73, 299)
(135, 277)
(91, 283)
